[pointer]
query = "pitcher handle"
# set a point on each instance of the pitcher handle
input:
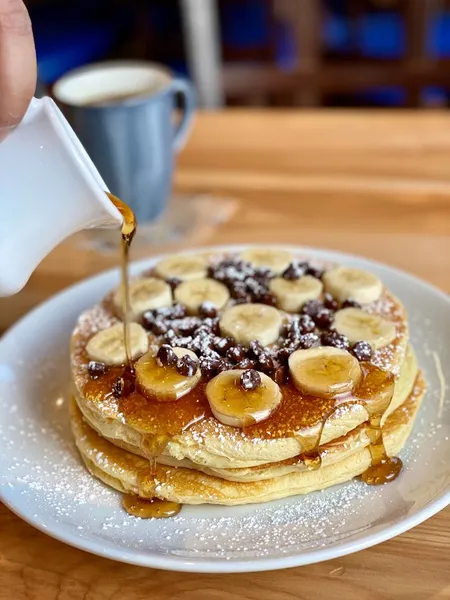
(183, 87)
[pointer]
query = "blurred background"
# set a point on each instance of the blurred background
(383, 53)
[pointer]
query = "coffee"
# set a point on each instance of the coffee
(104, 100)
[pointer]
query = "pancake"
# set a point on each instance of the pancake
(209, 442)
(252, 378)
(129, 473)
(331, 452)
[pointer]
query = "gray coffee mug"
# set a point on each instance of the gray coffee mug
(122, 111)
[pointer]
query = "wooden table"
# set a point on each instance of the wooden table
(377, 184)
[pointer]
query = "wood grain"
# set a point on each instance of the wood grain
(377, 184)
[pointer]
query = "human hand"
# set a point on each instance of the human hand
(17, 64)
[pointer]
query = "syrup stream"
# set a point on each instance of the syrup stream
(128, 230)
(134, 505)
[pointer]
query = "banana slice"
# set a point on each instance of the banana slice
(346, 282)
(325, 372)
(358, 325)
(247, 322)
(273, 259)
(291, 295)
(184, 267)
(161, 383)
(145, 294)
(232, 405)
(193, 293)
(108, 346)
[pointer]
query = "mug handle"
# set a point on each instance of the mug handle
(183, 87)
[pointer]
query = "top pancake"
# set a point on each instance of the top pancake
(150, 425)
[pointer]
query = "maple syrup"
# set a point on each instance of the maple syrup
(128, 231)
(383, 468)
(149, 508)
(134, 505)
(158, 422)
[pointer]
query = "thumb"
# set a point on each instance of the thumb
(17, 63)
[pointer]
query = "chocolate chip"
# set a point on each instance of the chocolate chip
(293, 336)
(215, 326)
(117, 387)
(207, 310)
(148, 320)
(305, 324)
(312, 307)
(307, 340)
(203, 330)
(224, 365)
(125, 384)
(265, 362)
(262, 274)
(293, 271)
(280, 375)
(187, 326)
(223, 344)
(96, 369)
(267, 298)
(169, 337)
(218, 275)
(208, 326)
(299, 326)
(330, 302)
(250, 380)
(285, 352)
(362, 350)
(255, 289)
(247, 300)
(349, 303)
(246, 363)
(335, 339)
(195, 345)
(159, 327)
(187, 365)
(177, 311)
(236, 353)
(256, 348)
(324, 318)
(166, 356)
(209, 367)
(239, 290)
(173, 282)
(314, 272)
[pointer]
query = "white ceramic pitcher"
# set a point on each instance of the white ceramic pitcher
(49, 189)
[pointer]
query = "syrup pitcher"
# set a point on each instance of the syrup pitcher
(56, 192)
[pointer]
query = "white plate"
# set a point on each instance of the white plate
(43, 481)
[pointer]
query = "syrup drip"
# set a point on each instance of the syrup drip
(378, 385)
(149, 508)
(312, 456)
(383, 468)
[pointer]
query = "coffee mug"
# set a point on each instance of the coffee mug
(122, 111)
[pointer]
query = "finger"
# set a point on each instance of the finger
(17, 63)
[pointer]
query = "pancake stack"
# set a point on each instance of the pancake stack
(255, 376)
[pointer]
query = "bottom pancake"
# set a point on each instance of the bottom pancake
(130, 473)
